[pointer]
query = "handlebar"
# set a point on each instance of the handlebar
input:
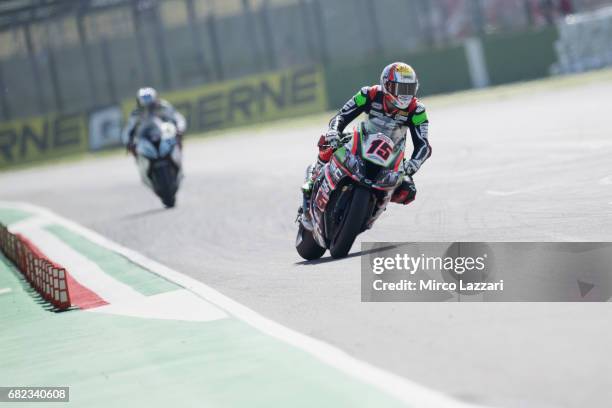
(344, 139)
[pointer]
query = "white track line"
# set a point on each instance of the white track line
(124, 300)
(29, 223)
(179, 304)
(4, 291)
(413, 394)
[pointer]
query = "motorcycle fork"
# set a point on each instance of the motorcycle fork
(381, 207)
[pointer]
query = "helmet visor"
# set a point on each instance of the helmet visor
(146, 99)
(401, 88)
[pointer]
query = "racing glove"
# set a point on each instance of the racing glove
(131, 148)
(332, 138)
(410, 168)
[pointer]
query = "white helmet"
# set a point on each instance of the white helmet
(400, 84)
(147, 98)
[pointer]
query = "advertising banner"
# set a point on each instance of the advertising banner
(105, 128)
(251, 99)
(39, 138)
(243, 101)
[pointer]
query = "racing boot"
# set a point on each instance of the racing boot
(312, 173)
(405, 193)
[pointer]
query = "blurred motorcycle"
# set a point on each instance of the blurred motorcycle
(159, 158)
(353, 189)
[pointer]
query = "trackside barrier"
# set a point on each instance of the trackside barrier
(49, 279)
(584, 42)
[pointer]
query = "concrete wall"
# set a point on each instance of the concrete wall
(520, 57)
(441, 70)
(353, 42)
(506, 58)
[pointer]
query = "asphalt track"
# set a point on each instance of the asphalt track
(520, 164)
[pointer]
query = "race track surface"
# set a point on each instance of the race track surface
(533, 164)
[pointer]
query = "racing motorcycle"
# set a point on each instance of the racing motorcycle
(159, 158)
(353, 189)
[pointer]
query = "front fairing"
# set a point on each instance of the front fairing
(380, 141)
(166, 147)
(157, 139)
(144, 148)
(346, 164)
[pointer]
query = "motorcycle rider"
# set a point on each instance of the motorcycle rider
(395, 98)
(148, 102)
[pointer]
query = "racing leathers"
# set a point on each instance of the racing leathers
(372, 101)
(164, 111)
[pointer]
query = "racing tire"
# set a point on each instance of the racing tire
(306, 245)
(164, 180)
(169, 201)
(352, 224)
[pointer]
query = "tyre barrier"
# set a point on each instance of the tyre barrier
(46, 277)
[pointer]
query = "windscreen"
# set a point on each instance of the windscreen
(382, 140)
(150, 128)
(386, 126)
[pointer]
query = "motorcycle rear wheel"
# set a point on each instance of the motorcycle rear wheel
(306, 245)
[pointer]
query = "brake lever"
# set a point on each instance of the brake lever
(346, 137)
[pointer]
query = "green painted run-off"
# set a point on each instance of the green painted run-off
(120, 361)
(114, 264)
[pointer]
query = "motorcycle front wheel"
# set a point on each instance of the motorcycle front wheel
(352, 223)
(165, 184)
